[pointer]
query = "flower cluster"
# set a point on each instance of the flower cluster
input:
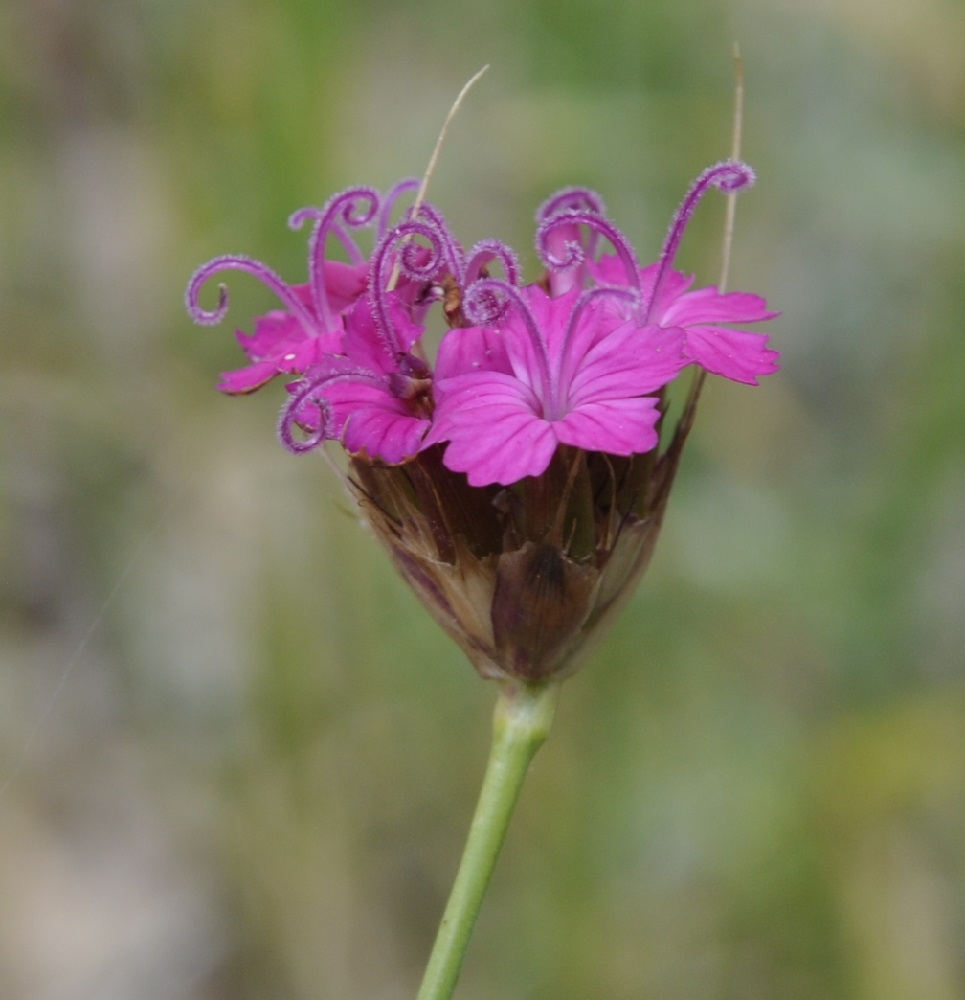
(519, 482)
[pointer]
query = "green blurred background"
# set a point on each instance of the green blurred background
(238, 760)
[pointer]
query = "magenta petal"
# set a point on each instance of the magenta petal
(244, 380)
(464, 393)
(512, 445)
(301, 356)
(344, 284)
(552, 317)
(616, 426)
(280, 344)
(674, 284)
(493, 430)
(273, 332)
(735, 354)
(500, 428)
(707, 305)
(368, 418)
(629, 361)
(471, 349)
(364, 343)
(610, 271)
(384, 433)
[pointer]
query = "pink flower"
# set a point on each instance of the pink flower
(374, 394)
(291, 340)
(662, 295)
(577, 378)
(736, 354)
(283, 343)
(522, 371)
(370, 396)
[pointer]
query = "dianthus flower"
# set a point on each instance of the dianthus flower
(292, 339)
(520, 482)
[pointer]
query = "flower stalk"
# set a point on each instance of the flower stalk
(521, 723)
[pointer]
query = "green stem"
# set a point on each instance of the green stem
(521, 723)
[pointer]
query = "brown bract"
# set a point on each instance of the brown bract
(526, 578)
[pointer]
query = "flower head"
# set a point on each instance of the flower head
(519, 482)
(578, 376)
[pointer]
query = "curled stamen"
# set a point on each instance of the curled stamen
(297, 219)
(575, 253)
(486, 302)
(571, 199)
(428, 211)
(491, 250)
(417, 261)
(390, 201)
(289, 420)
(353, 208)
(310, 395)
(238, 262)
(729, 176)
(341, 207)
(575, 250)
